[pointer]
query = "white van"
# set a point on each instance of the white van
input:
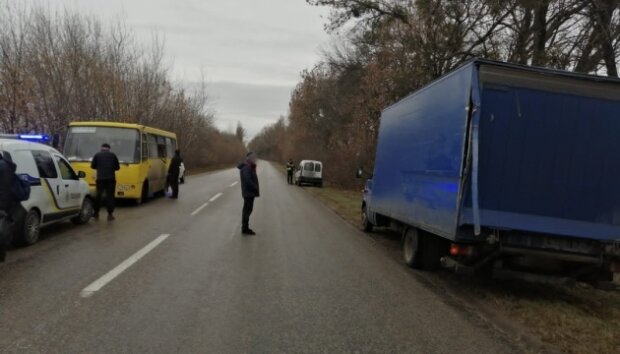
(57, 193)
(309, 172)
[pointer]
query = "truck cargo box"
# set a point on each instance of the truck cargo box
(504, 147)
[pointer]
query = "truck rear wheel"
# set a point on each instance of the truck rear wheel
(423, 250)
(411, 247)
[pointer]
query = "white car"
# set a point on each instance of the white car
(57, 192)
(309, 172)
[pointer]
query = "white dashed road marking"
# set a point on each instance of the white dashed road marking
(200, 208)
(109, 276)
(214, 198)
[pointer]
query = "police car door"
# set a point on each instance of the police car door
(50, 180)
(71, 197)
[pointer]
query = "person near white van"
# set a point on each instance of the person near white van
(106, 164)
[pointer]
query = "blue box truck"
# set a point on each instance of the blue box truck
(504, 166)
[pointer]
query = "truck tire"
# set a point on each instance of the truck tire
(422, 250)
(366, 224)
(411, 247)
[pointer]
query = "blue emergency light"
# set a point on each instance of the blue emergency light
(34, 137)
(37, 138)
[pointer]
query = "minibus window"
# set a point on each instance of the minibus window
(309, 166)
(317, 167)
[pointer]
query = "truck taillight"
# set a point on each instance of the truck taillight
(461, 250)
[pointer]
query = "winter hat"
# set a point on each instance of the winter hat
(250, 156)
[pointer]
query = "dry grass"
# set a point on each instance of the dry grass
(578, 319)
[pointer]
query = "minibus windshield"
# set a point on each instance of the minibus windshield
(84, 142)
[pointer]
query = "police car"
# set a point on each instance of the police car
(57, 191)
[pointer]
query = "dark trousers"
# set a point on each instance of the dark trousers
(5, 234)
(173, 182)
(105, 189)
(289, 177)
(248, 206)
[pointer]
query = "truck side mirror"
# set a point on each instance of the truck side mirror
(359, 173)
(81, 174)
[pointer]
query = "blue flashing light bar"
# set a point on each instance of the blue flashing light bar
(37, 138)
(34, 137)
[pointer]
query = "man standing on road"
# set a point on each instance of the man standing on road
(173, 173)
(249, 190)
(290, 167)
(12, 191)
(106, 164)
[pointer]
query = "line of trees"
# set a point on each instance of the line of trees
(389, 48)
(58, 67)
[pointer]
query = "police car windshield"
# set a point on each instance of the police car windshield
(84, 142)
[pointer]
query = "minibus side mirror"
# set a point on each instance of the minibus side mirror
(81, 174)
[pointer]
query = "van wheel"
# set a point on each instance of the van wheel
(86, 213)
(366, 224)
(31, 228)
(411, 247)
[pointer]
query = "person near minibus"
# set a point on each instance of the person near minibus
(174, 173)
(106, 164)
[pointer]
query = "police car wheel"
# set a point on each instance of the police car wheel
(32, 228)
(86, 212)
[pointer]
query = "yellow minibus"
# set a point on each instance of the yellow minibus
(144, 154)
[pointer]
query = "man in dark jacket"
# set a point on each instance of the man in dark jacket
(249, 191)
(11, 193)
(106, 164)
(173, 173)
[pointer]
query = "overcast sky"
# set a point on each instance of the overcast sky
(250, 52)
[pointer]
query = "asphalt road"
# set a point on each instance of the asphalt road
(177, 276)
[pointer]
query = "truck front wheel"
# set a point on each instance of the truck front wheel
(366, 224)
